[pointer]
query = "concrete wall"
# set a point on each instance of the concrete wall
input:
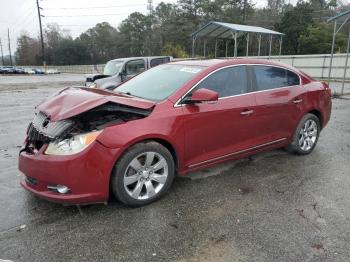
(317, 65)
(75, 69)
(314, 65)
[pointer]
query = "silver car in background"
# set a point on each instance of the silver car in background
(119, 70)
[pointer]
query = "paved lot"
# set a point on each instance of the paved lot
(271, 207)
(27, 79)
(338, 86)
(19, 82)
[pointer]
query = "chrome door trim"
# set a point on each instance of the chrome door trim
(178, 104)
(238, 152)
(249, 112)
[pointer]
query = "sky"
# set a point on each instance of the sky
(73, 15)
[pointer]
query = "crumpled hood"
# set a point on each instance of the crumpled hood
(75, 100)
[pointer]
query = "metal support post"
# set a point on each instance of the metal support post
(346, 65)
(332, 51)
(247, 51)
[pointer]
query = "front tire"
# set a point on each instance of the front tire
(306, 135)
(143, 174)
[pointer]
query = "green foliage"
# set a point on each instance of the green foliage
(100, 42)
(293, 24)
(317, 39)
(28, 50)
(71, 52)
(135, 31)
(174, 50)
(169, 28)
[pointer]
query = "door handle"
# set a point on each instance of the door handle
(297, 101)
(247, 112)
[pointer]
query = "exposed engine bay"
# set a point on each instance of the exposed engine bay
(41, 130)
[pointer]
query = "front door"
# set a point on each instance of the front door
(215, 130)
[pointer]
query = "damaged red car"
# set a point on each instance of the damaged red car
(85, 144)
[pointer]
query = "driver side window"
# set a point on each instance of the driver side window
(135, 67)
(227, 82)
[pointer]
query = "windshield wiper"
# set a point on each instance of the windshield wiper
(131, 95)
(124, 93)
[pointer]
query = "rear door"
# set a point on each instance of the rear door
(278, 102)
(216, 130)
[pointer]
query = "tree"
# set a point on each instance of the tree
(28, 50)
(317, 39)
(174, 50)
(101, 42)
(294, 23)
(134, 32)
(276, 6)
(71, 52)
(166, 23)
(168, 31)
(52, 35)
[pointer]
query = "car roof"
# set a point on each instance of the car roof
(217, 63)
(137, 57)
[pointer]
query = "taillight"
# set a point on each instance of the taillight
(327, 88)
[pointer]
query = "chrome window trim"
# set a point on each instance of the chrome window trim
(178, 104)
(237, 152)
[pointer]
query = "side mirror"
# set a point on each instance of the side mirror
(202, 95)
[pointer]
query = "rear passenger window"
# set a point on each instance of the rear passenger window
(293, 79)
(158, 61)
(135, 67)
(227, 82)
(268, 77)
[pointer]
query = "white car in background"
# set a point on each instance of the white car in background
(29, 71)
(52, 71)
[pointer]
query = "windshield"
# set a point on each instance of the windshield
(159, 82)
(112, 68)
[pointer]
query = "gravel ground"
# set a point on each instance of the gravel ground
(270, 207)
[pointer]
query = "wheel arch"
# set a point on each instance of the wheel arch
(318, 114)
(164, 142)
(159, 139)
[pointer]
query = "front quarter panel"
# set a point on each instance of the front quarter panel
(164, 123)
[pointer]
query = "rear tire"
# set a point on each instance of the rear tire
(143, 174)
(306, 135)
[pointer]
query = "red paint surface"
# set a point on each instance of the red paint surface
(201, 134)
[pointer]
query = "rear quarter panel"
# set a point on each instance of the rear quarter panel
(317, 97)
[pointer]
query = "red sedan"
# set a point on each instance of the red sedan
(172, 119)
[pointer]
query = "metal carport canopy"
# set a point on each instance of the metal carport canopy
(345, 16)
(220, 30)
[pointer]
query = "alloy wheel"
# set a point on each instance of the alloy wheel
(308, 135)
(146, 175)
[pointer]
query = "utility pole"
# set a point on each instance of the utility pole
(2, 54)
(244, 11)
(150, 7)
(41, 35)
(8, 35)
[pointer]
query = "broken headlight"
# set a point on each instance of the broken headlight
(72, 145)
(93, 85)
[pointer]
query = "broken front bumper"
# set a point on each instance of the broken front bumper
(86, 174)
